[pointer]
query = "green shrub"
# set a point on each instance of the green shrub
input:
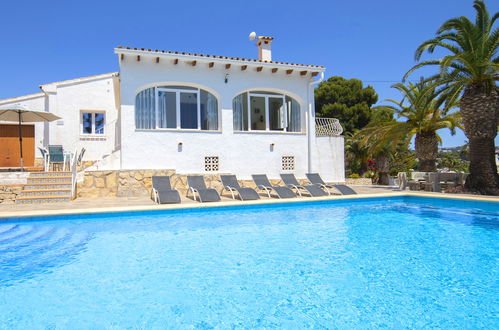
(354, 176)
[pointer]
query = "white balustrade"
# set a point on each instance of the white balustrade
(327, 127)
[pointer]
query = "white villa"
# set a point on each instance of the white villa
(194, 113)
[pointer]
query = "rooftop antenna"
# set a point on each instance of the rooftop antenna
(252, 35)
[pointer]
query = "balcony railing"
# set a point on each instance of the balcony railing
(327, 127)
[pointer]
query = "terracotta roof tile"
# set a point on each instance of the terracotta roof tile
(221, 57)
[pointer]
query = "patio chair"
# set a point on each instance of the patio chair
(404, 182)
(56, 156)
(263, 183)
(439, 180)
(198, 187)
(80, 156)
(45, 156)
(291, 182)
(315, 178)
(162, 191)
(231, 184)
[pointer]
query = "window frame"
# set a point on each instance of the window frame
(178, 90)
(267, 111)
(178, 112)
(93, 113)
(287, 116)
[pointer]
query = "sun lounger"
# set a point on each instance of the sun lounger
(291, 182)
(162, 191)
(262, 183)
(315, 178)
(198, 187)
(344, 190)
(231, 184)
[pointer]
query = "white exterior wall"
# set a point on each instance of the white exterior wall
(330, 154)
(68, 101)
(242, 153)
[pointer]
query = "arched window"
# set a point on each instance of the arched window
(265, 111)
(176, 107)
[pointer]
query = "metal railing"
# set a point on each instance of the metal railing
(74, 172)
(327, 127)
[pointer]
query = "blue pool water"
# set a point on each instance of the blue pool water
(396, 263)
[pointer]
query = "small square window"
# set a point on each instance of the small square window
(93, 123)
(211, 163)
(288, 163)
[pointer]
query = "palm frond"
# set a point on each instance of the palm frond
(420, 65)
(473, 48)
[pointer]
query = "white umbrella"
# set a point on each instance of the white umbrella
(19, 113)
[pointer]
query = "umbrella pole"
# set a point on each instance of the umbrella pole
(21, 141)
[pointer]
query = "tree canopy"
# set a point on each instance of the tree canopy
(423, 115)
(347, 100)
(470, 70)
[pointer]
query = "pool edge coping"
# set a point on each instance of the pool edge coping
(156, 207)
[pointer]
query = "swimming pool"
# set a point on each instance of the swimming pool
(398, 262)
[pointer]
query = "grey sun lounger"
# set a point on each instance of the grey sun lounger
(291, 182)
(263, 183)
(198, 187)
(316, 179)
(231, 184)
(162, 191)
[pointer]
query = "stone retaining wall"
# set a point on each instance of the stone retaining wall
(9, 193)
(359, 181)
(119, 183)
(38, 162)
(135, 183)
(13, 178)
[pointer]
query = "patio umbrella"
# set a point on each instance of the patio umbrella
(20, 114)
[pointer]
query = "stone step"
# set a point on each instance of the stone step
(50, 179)
(49, 174)
(49, 185)
(13, 177)
(40, 200)
(45, 192)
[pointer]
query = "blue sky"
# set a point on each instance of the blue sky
(46, 41)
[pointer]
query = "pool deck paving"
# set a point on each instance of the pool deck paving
(120, 204)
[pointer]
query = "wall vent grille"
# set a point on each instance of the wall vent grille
(211, 163)
(288, 163)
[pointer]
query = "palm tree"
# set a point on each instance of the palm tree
(471, 70)
(424, 113)
(355, 155)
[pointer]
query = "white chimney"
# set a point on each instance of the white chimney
(264, 48)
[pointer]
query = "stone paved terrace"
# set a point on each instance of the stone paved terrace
(106, 202)
(116, 203)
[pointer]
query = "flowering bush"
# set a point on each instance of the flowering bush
(371, 165)
(372, 170)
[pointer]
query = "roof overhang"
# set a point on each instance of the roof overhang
(220, 60)
(22, 98)
(52, 87)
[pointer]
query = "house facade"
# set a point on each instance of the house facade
(194, 113)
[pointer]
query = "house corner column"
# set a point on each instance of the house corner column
(312, 154)
(311, 130)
